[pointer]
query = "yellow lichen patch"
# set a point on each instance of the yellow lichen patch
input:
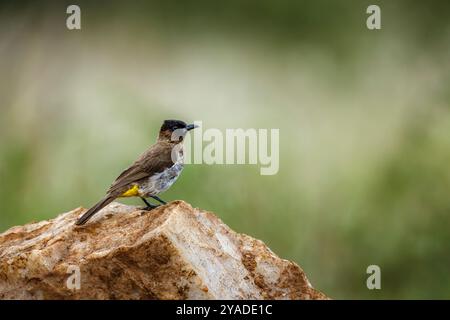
(132, 192)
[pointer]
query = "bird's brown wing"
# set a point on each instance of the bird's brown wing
(154, 160)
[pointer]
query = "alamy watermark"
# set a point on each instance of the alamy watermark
(74, 280)
(373, 22)
(374, 280)
(73, 21)
(231, 146)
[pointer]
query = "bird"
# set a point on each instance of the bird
(152, 173)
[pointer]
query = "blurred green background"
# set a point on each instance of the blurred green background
(364, 123)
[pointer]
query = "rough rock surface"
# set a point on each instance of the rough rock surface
(172, 252)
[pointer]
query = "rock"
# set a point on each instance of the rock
(172, 252)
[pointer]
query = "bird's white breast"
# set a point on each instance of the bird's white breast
(160, 182)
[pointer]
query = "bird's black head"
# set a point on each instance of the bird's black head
(173, 125)
(174, 130)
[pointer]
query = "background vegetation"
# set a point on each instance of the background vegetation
(364, 123)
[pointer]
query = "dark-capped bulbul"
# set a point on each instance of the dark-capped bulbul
(152, 173)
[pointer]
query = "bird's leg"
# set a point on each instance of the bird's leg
(158, 199)
(149, 205)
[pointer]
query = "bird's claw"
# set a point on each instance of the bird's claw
(149, 208)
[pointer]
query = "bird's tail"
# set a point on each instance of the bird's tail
(100, 205)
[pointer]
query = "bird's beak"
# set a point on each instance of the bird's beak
(191, 126)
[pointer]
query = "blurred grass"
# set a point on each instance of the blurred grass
(363, 115)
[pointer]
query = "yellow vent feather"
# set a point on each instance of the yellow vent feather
(132, 192)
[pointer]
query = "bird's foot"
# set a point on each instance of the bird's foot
(149, 208)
